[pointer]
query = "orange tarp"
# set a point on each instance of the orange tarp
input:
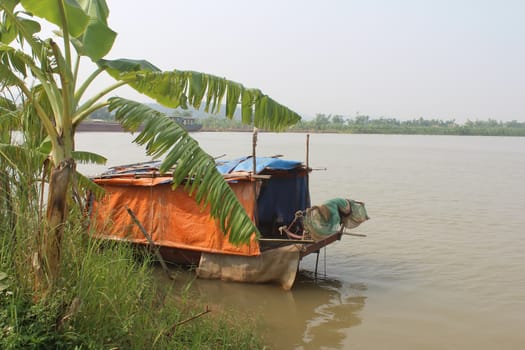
(171, 217)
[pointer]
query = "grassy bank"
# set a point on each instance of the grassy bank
(107, 299)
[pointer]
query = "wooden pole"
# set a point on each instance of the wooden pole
(254, 172)
(254, 148)
(150, 240)
(308, 169)
(174, 327)
(286, 240)
(316, 264)
(193, 317)
(354, 234)
(307, 151)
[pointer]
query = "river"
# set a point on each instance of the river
(442, 266)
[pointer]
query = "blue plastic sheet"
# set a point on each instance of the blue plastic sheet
(261, 163)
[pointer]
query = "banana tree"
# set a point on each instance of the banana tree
(53, 63)
(23, 153)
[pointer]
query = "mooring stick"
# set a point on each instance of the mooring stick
(192, 317)
(152, 244)
(172, 329)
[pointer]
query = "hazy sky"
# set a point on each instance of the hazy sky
(395, 58)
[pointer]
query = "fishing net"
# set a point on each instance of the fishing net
(357, 216)
(327, 219)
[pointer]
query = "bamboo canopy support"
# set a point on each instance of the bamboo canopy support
(286, 240)
(152, 244)
(308, 167)
(254, 172)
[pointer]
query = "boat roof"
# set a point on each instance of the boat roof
(243, 164)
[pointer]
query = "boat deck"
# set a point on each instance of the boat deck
(307, 246)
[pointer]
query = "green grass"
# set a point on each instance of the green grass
(107, 298)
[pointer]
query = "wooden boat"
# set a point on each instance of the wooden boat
(93, 125)
(187, 234)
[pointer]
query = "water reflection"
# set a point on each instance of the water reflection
(315, 314)
(331, 307)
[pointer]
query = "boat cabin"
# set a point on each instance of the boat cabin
(273, 196)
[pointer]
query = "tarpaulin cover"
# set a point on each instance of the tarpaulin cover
(174, 219)
(171, 217)
(281, 196)
(261, 163)
(279, 199)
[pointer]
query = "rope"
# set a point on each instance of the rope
(286, 229)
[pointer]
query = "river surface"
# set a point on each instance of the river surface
(443, 263)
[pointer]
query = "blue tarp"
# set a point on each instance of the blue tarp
(246, 164)
(279, 199)
(224, 167)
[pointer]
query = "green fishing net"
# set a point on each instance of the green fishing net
(324, 220)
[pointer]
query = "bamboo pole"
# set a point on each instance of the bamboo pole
(354, 234)
(150, 240)
(174, 327)
(285, 240)
(307, 151)
(254, 172)
(308, 169)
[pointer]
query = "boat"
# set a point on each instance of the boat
(189, 123)
(98, 125)
(275, 196)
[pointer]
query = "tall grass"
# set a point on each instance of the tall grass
(107, 298)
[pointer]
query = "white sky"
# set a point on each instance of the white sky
(462, 59)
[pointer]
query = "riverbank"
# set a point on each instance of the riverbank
(107, 298)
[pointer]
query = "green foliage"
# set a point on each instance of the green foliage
(188, 88)
(49, 9)
(26, 325)
(86, 23)
(97, 39)
(223, 124)
(107, 297)
(102, 114)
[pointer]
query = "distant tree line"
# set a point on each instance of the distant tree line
(363, 124)
(102, 114)
(223, 124)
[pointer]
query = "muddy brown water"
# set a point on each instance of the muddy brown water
(442, 266)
